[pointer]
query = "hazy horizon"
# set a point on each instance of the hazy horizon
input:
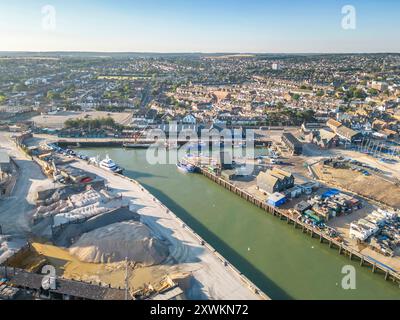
(209, 26)
(199, 52)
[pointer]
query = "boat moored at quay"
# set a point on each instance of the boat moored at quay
(110, 165)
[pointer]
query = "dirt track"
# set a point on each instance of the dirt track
(372, 187)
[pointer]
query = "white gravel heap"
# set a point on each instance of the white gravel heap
(83, 205)
(86, 198)
(8, 247)
(85, 212)
(116, 242)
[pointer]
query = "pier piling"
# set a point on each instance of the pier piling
(389, 274)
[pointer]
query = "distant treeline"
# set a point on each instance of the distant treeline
(92, 124)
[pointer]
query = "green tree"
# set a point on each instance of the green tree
(2, 97)
(373, 92)
(359, 94)
(296, 97)
(19, 87)
(51, 95)
(92, 124)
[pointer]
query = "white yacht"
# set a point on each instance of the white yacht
(110, 165)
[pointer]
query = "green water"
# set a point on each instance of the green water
(283, 262)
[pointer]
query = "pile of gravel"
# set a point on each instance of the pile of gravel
(116, 242)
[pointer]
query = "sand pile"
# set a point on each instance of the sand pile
(120, 240)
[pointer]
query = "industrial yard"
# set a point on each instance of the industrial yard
(107, 230)
(69, 266)
(158, 218)
(363, 180)
(343, 225)
(86, 221)
(350, 201)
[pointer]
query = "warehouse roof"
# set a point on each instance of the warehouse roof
(346, 132)
(334, 123)
(292, 139)
(23, 279)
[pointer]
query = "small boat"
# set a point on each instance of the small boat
(185, 167)
(94, 160)
(110, 165)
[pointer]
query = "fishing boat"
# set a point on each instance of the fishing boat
(137, 145)
(185, 167)
(110, 165)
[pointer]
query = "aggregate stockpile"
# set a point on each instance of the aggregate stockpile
(116, 242)
(100, 226)
(79, 206)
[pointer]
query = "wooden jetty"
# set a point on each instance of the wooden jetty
(343, 249)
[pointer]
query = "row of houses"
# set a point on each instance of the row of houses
(195, 130)
(343, 132)
(150, 117)
(330, 134)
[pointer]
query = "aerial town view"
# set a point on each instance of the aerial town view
(259, 162)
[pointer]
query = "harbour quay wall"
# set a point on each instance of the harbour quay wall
(116, 142)
(224, 261)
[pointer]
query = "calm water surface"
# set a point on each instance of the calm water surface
(283, 262)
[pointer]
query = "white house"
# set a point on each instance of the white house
(189, 119)
(367, 129)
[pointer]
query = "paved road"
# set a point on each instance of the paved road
(15, 210)
(146, 97)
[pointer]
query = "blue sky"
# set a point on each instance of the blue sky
(200, 26)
